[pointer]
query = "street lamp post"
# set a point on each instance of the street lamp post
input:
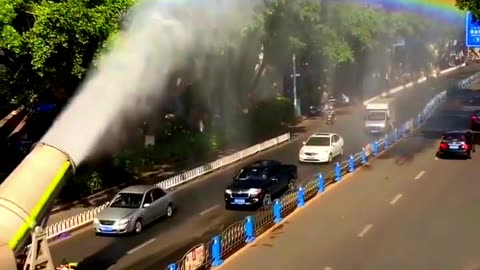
(296, 106)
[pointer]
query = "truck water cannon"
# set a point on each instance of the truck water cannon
(25, 199)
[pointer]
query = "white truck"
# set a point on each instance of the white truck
(380, 115)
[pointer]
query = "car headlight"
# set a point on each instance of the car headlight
(254, 191)
(95, 220)
(228, 191)
(123, 221)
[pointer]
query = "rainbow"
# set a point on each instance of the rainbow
(437, 9)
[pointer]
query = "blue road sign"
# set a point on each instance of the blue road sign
(472, 31)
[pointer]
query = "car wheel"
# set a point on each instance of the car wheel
(138, 227)
(170, 210)
(330, 158)
(267, 200)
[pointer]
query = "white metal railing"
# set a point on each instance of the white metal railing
(468, 81)
(410, 84)
(86, 217)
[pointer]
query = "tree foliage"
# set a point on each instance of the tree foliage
(469, 5)
(47, 46)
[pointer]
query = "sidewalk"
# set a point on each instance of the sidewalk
(304, 126)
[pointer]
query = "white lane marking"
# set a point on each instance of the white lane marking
(365, 230)
(208, 210)
(419, 175)
(141, 246)
(395, 199)
(328, 268)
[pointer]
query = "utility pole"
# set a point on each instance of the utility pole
(296, 106)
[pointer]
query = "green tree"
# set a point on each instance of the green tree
(469, 5)
(48, 46)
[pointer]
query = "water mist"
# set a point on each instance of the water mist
(133, 75)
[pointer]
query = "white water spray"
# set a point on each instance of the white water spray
(132, 77)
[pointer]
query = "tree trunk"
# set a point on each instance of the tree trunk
(256, 78)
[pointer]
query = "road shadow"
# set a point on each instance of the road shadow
(406, 151)
(161, 258)
(428, 136)
(297, 130)
(120, 247)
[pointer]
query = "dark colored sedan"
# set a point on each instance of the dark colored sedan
(455, 143)
(315, 111)
(259, 183)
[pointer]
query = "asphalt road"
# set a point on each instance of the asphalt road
(408, 211)
(201, 213)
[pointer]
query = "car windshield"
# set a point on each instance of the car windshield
(252, 174)
(454, 137)
(376, 116)
(318, 141)
(127, 200)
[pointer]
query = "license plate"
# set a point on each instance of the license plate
(239, 201)
(453, 146)
(106, 229)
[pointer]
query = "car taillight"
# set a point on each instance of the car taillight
(443, 146)
(474, 118)
(466, 146)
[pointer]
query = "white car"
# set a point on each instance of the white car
(321, 147)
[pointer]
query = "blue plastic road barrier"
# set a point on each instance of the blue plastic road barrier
(217, 251)
(364, 157)
(321, 183)
(277, 211)
(386, 142)
(249, 229)
(351, 163)
(301, 197)
(375, 148)
(338, 172)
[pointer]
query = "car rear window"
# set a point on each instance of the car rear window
(376, 116)
(454, 137)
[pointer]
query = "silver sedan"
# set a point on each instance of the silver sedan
(133, 208)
